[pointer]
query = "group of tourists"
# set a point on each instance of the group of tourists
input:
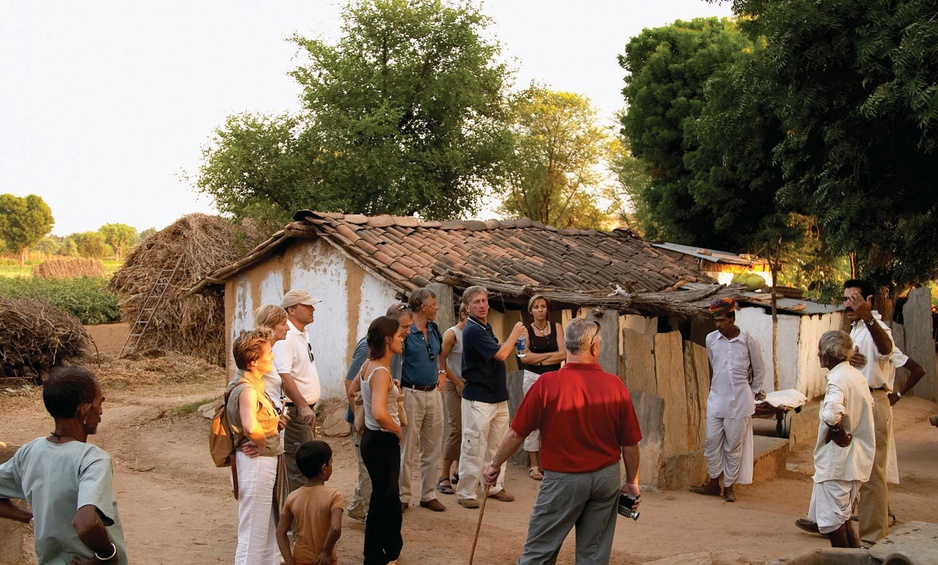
(435, 404)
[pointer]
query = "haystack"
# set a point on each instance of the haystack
(36, 336)
(194, 325)
(69, 268)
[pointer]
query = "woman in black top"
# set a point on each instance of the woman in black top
(545, 352)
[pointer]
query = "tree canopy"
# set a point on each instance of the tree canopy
(23, 222)
(405, 114)
(553, 176)
(90, 244)
(824, 124)
(667, 69)
(856, 86)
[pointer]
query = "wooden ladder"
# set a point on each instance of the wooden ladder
(149, 307)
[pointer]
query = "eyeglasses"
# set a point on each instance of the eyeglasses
(595, 335)
(311, 356)
(429, 351)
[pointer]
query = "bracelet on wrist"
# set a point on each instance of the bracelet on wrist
(898, 395)
(109, 557)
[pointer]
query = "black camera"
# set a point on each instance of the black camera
(626, 503)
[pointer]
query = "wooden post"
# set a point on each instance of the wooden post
(773, 263)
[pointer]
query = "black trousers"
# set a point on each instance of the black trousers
(381, 453)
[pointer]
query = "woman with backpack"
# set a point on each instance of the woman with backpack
(255, 425)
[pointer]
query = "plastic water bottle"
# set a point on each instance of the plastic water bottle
(520, 346)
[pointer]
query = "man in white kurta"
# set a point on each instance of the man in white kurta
(839, 470)
(873, 340)
(737, 376)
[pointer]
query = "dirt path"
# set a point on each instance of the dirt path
(177, 507)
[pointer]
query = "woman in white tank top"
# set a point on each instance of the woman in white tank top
(381, 441)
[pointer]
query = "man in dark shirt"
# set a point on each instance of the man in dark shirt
(484, 397)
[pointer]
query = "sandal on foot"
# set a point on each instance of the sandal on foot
(444, 485)
(535, 473)
(455, 479)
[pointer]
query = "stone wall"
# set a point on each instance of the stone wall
(919, 340)
(669, 379)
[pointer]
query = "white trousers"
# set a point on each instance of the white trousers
(729, 450)
(533, 441)
(483, 427)
(423, 439)
(257, 532)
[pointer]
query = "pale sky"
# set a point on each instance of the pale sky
(105, 106)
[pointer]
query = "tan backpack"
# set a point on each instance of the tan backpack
(221, 440)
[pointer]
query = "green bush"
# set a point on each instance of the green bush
(86, 298)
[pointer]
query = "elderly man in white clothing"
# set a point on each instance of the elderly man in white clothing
(843, 456)
(295, 363)
(738, 373)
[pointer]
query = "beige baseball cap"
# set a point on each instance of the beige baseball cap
(298, 296)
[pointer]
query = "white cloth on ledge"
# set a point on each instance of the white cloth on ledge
(788, 398)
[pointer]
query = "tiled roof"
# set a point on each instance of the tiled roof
(515, 257)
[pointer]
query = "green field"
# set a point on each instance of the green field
(86, 298)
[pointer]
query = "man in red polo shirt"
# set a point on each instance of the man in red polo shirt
(587, 423)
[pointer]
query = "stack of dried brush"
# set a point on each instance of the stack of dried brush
(69, 268)
(194, 325)
(36, 336)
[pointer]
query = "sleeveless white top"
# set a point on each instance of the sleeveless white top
(395, 392)
(454, 359)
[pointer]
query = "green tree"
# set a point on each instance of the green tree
(404, 115)
(119, 237)
(856, 92)
(632, 179)
(260, 166)
(90, 244)
(667, 70)
(553, 177)
(23, 222)
(48, 245)
(145, 234)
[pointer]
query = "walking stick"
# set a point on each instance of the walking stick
(479, 525)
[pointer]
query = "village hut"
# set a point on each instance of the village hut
(177, 257)
(648, 305)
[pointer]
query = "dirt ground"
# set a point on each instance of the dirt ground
(177, 507)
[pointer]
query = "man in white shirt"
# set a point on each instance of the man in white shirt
(877, 358)
(737, 376)
(295, 362)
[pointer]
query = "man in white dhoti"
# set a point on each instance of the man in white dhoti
(843, 455)
(737, 376)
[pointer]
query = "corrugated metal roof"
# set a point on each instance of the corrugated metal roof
(712, 255)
